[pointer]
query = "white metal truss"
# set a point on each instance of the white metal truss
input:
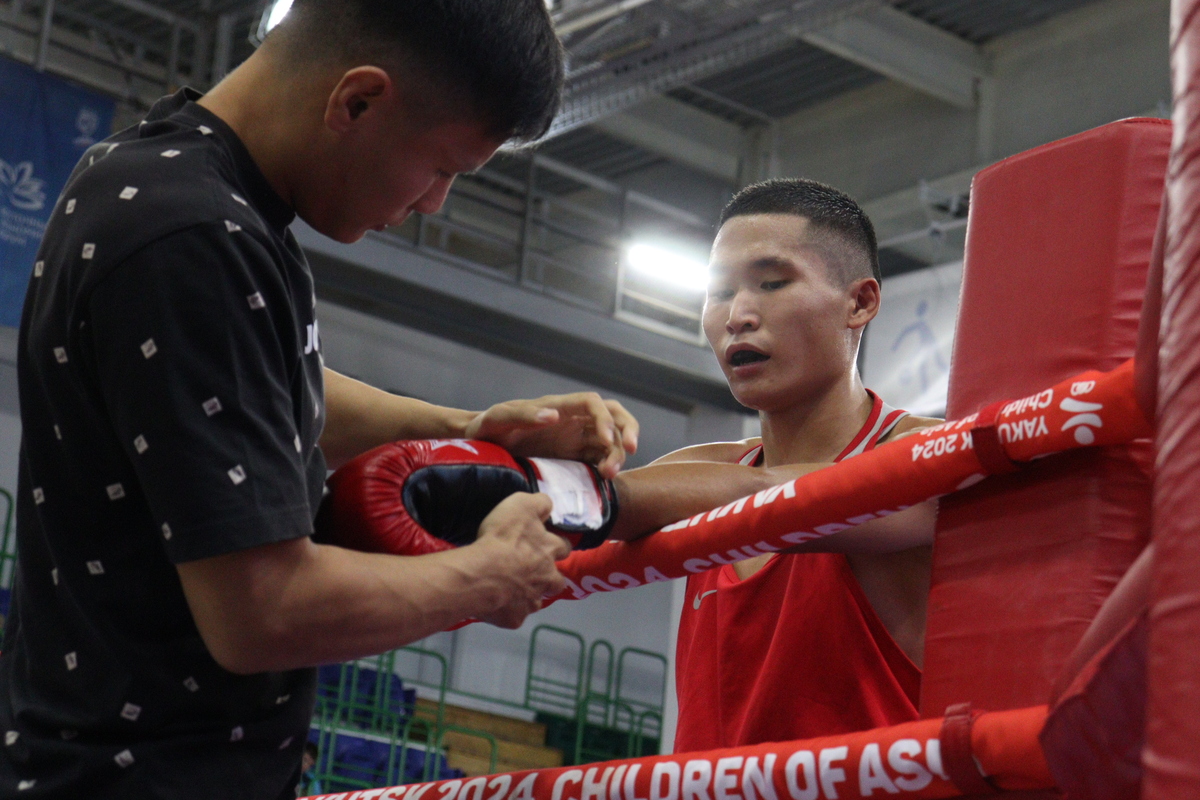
(673, 44)
(136, 50)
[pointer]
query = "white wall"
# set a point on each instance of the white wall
(908, 344)
(1081, 69)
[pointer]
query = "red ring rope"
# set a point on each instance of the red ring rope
(911, 760)
(1091, 409)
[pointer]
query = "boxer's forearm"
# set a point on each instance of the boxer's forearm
(657, 495)
(359, 417)
(904, 530)
(295, 604)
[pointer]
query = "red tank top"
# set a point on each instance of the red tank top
(792, 652)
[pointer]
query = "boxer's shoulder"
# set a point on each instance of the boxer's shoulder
(714, 452)
(910, 424)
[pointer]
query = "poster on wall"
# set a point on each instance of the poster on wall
(907, 356)
(46, 124)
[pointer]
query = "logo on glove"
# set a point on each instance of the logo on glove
(461, 444)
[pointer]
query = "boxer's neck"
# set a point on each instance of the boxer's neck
(816, 429)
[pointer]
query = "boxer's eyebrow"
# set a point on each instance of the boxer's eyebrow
(758, 264)
(771, 262)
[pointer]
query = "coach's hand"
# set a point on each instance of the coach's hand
(581, 427)
(516, 556)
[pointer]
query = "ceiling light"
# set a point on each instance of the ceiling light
(667, 266)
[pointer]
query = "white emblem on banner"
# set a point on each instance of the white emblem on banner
(20, 188)
(87, 124)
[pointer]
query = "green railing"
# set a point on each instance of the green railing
(402, 735)
(494, 748)
(8, 557)
(361, 710)
(371, 710)
(640, 707)
(553, 695)
(638, 734)
(337, 721)
(430, 732)
(631, 733)
(612, 725)
(581, 691)
(8, 542)
(442, 684)
(589, 682)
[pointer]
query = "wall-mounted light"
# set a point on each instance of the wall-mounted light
(272, 17)
(667, 266)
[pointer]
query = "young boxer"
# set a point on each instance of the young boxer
(820, 640)
(799, 644)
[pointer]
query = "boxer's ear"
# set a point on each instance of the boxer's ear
(864, 298)
(360, 92)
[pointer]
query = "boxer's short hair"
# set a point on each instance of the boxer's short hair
(827, 210)
(498, 60)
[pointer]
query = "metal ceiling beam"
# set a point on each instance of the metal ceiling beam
(223, 54)
(154, 12)
(750, 32)
(90, 62)
(568, 27)
(905, 49)
(680, 132)
(43, 48)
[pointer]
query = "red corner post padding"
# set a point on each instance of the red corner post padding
(1092, 408)
(1172, 755)
(1057, 247)
(904, 761)
(1096, 731)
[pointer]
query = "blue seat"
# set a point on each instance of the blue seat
(360, 760)
(343, 683)
(414, 768)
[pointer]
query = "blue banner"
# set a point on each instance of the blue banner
(45, 126)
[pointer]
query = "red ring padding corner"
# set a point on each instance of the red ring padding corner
(1058, 243)
(1096, 730)
(1172, 755)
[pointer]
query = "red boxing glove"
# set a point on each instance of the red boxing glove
(411, 498)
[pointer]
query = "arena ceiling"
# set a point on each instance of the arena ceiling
(784, 65)
(745, 64)
(743, 60)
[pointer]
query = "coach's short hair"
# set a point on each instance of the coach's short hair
(827, 210)
(499, 59)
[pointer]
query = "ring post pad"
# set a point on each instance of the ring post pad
(985, 438)
(958, 758)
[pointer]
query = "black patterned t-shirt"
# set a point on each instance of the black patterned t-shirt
(171, 401)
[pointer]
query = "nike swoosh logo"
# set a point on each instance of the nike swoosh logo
(701, 596)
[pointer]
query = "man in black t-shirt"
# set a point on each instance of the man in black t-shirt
(178, 420)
